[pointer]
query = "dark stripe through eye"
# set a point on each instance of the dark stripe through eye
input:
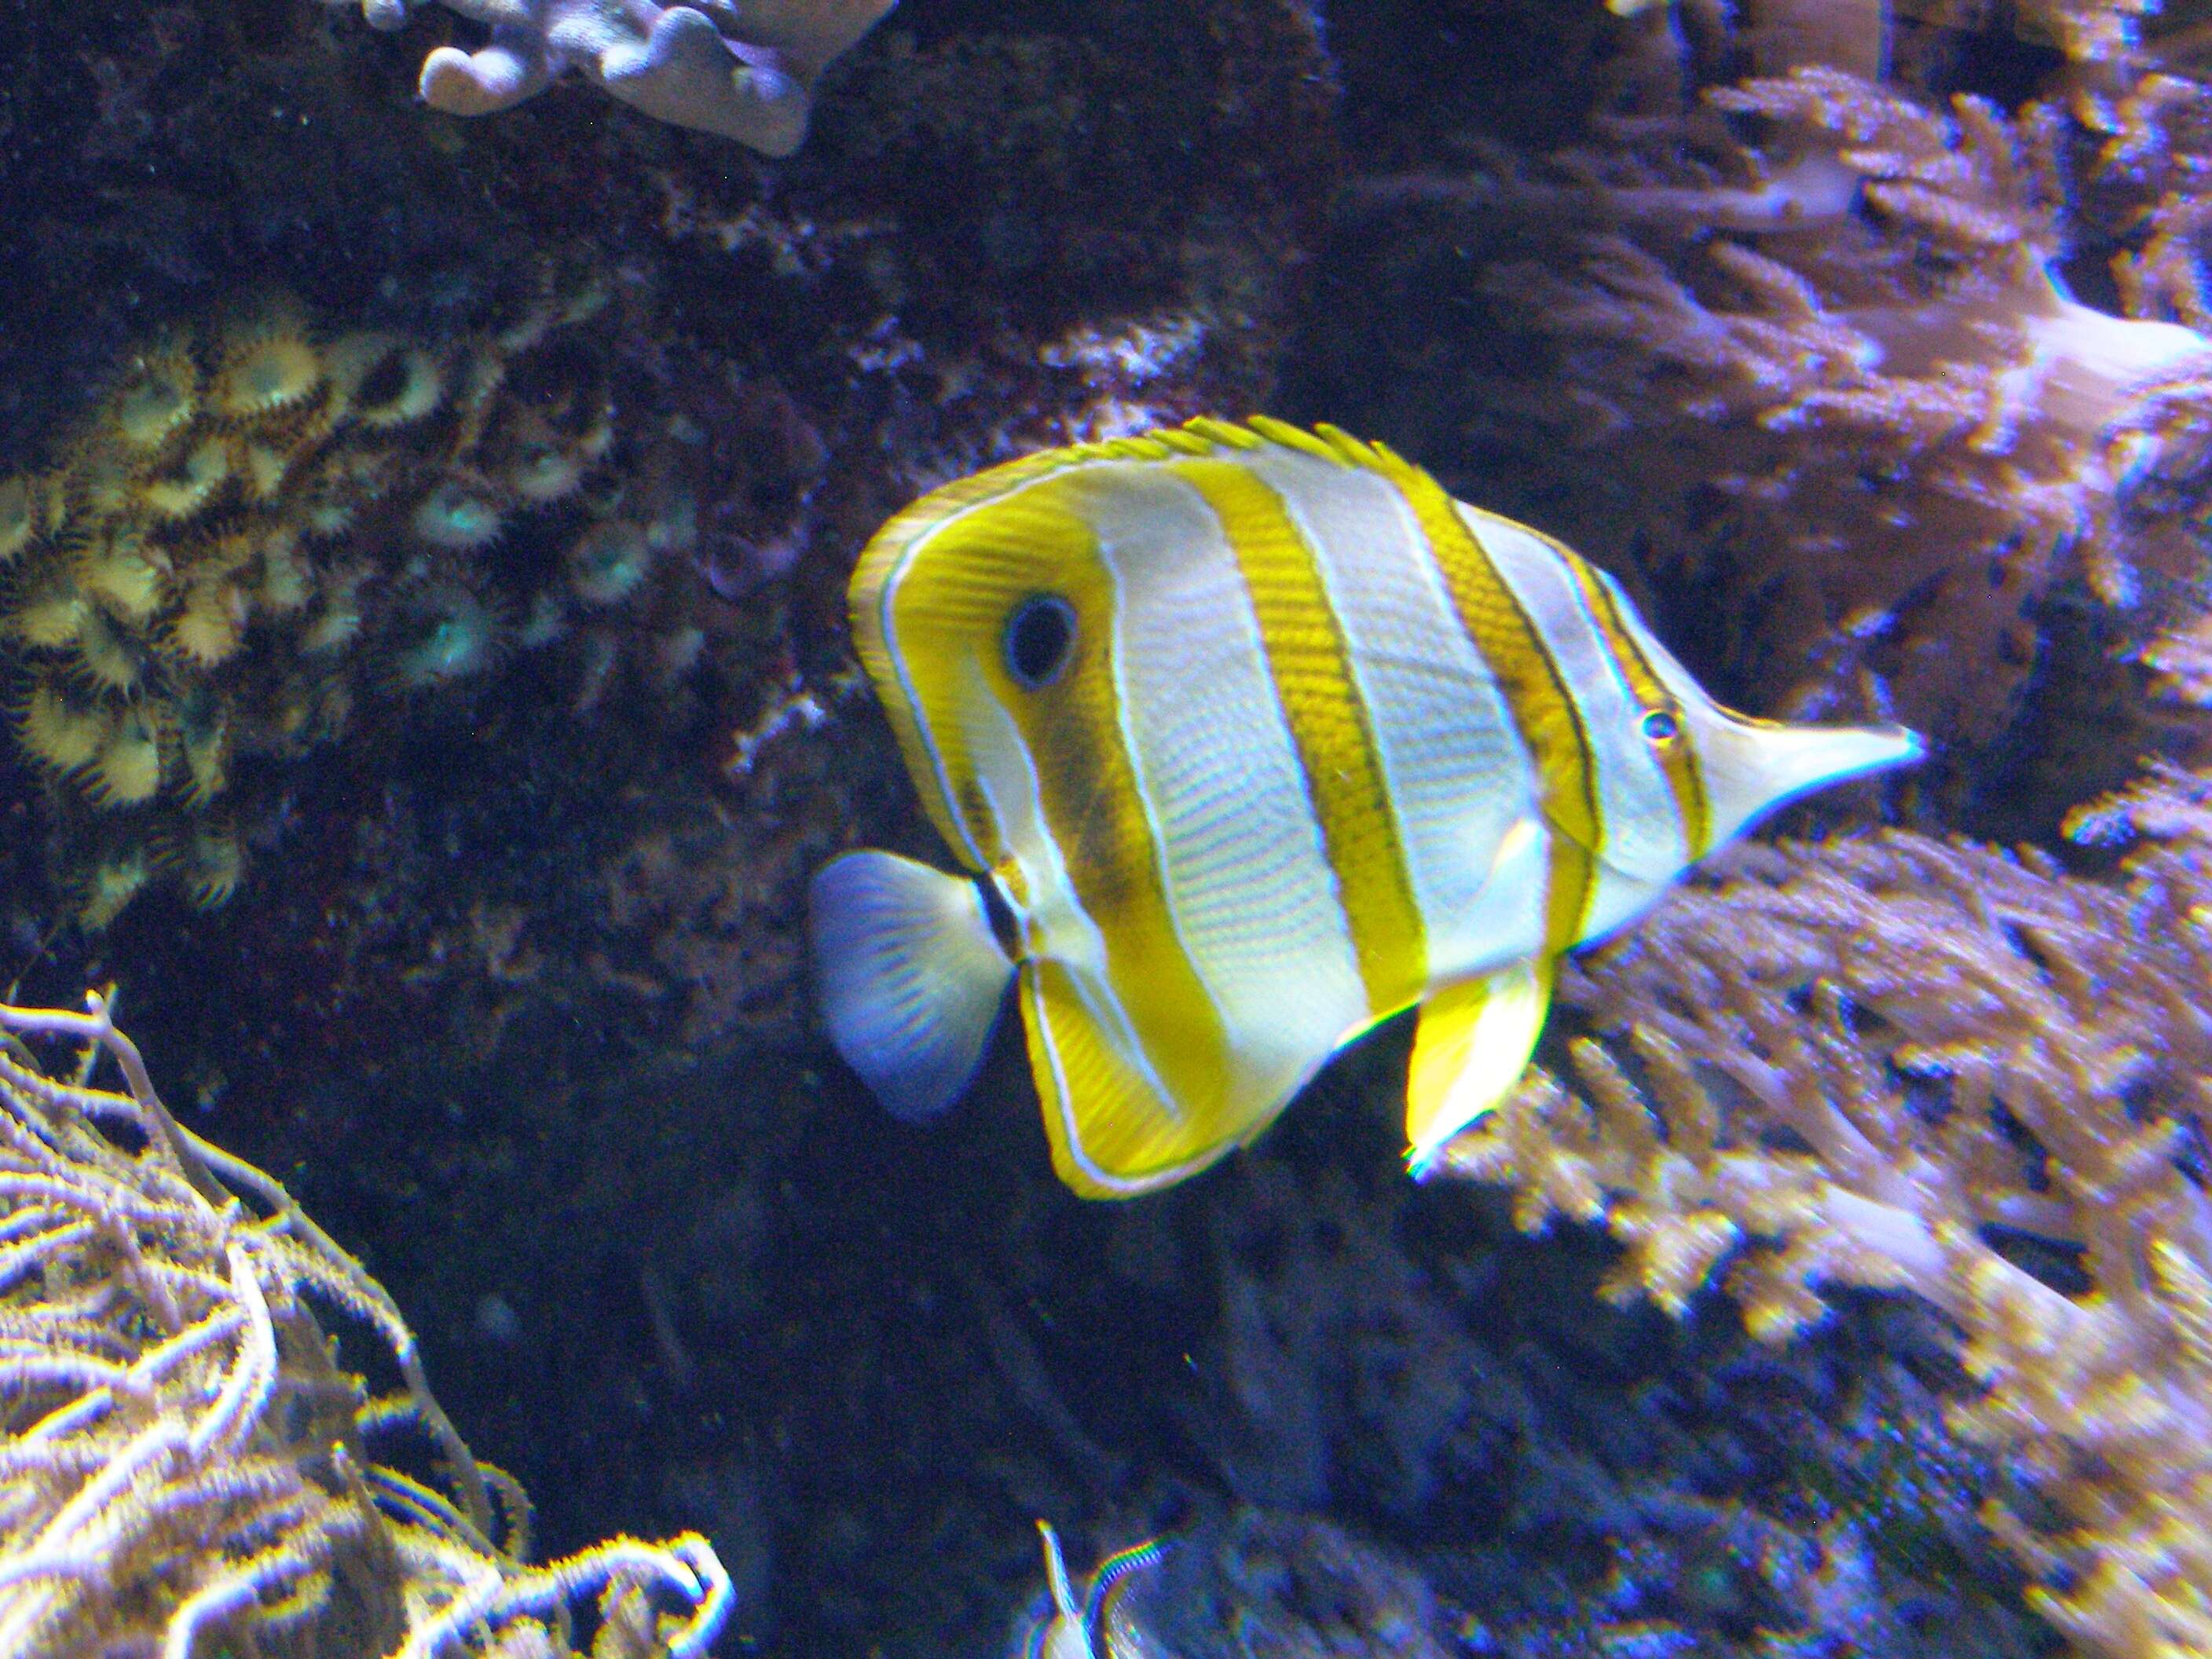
(1039, 639)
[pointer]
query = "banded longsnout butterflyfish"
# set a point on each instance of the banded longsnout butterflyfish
(1249, 737)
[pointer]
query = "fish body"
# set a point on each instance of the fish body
(1249, 737)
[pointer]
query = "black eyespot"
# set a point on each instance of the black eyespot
(1039, 639)
(1660, 725)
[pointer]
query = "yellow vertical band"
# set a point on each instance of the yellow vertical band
(1675, 754)
(1542, 704)
(1086, 784)
(1330, 725)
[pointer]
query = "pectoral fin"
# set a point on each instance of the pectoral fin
(1474, 1042)
(909, 974)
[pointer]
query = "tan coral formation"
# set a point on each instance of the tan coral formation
(263, 522)
(183, 1467)
(1900, 1063)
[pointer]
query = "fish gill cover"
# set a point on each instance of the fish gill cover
(422, 552)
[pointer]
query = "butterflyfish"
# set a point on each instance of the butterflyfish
(1246, 738)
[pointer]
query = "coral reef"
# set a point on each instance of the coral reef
(741, 70)
(1573, 1478)
(1905, 1064)
(1804, 348)
(1797, 353)
(181, 1462)
(264, 526)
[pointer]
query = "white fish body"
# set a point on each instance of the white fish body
(1249, 737)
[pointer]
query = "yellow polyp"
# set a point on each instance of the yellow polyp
(206, 751)
(157, 400)
(211, 626)
(59, 733)
(545, 471)
(21, 504)
(112, 885)
(536, 321)
(351, 360)
(286, 585)
(210, 868)
(328, 518)
(609, 560)
(122, 581)
(338, 623)
(226, 556)
(51, 619)
(106, 481)
(263, 467)
(127, 771)
(399, 388)
(456, 516)
(264, 373)
(188, 488)
(103, 657)
(586, 293)
(546, 622)
(484, 373)
(456, 636)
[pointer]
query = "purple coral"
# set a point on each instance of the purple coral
(743, 68)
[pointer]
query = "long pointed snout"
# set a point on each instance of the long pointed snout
(1751, 768)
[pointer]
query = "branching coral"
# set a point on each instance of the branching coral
(263, 523)
(1899, 1063)
(1908, 428)
(183, 1466)
(1796, 351)
(742, 68)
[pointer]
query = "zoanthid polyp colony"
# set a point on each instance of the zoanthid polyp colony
(262, 522)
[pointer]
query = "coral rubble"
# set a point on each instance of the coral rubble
(1905, 1064)
(741, 70)
(182, 1464)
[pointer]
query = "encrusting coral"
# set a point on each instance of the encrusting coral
(183, 1466)
(263, 523)
(1900, 1063)
(743, 71)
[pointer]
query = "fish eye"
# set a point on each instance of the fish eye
(1039, 639)
(1660, 727)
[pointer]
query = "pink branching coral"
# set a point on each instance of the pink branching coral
(1886, 415)
(1899, 1063)
(183, 1467)
(1803, 354)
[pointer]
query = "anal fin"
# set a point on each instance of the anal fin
(1474, 1042)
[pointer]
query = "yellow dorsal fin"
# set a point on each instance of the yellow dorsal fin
(1474, 1042)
